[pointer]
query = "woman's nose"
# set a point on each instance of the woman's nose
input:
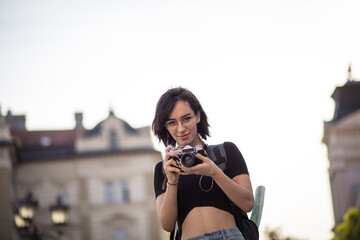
(181, 127)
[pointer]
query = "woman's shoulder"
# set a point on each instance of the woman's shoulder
(236, 162)
(158, 170)
(159, 165)
(230, 146)
(225, 143)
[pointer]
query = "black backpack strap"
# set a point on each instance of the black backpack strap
(179, 231)
(218, 155)
(176, 233)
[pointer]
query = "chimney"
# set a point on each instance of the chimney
(79, 121)
(15, 122)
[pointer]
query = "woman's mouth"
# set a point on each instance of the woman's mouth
(182, 137)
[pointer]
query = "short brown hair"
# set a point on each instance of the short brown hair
(164, 107)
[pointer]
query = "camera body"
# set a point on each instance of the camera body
(186, 155)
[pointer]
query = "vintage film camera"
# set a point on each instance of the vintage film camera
(186, 155)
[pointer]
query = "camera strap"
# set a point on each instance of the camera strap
(217, 154)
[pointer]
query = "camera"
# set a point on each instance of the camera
(186, 155)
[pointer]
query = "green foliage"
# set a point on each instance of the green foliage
(275, 234)
(349, 229)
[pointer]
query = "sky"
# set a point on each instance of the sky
(264, 71)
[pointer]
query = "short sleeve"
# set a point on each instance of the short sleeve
(236, 164)
(158, 179)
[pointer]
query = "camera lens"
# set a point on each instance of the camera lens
(187, 160)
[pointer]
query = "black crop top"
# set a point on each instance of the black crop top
(189, 193)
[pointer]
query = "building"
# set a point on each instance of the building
(342, 138)
(104, 174)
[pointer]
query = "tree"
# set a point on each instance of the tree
(275, 234)
(349, 229)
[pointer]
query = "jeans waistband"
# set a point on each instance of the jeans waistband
(221, 234)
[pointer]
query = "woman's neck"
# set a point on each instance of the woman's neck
(197, 141)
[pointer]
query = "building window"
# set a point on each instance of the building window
(120, 235)
(109, 192)
(117, 191)
(45, 141)
(124, 191)
(113, 140)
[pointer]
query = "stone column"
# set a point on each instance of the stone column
(7, 155)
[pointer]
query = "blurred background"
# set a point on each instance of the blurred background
(79, 82)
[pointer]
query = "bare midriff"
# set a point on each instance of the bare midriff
(201, 220)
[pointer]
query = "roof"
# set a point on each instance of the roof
(98, 127)
(347, 99)
(26, 156)
(44, 140)
(55, 144)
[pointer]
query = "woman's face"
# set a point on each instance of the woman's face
(182, 125)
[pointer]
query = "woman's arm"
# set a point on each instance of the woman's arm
(166, 203)
(238, 189)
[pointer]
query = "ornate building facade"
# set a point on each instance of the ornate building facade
(104, 174)
(342, 138)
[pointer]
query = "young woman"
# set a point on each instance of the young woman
(200, 196)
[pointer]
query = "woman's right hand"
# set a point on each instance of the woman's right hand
(171, 167)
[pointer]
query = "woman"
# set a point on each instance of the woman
(200, 196)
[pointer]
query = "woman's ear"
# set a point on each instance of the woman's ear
(198, 118)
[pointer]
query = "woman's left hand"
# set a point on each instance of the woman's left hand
(206, 168)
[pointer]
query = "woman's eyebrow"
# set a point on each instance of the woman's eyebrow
(170, 119)
(186, 115)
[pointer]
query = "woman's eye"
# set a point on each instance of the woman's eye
(171, 123)
(186, 119)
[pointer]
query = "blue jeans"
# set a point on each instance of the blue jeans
(223, 234)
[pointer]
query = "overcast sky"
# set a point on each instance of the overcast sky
(264, 72)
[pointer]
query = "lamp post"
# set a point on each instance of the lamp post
(23, 218)
(27, 207)
(59, 212)
(24, 215)
(19, 221)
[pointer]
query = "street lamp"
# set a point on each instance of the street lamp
(27, 207)
(19, 221)
(24, 214)
(59, 212)
(59, 215)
